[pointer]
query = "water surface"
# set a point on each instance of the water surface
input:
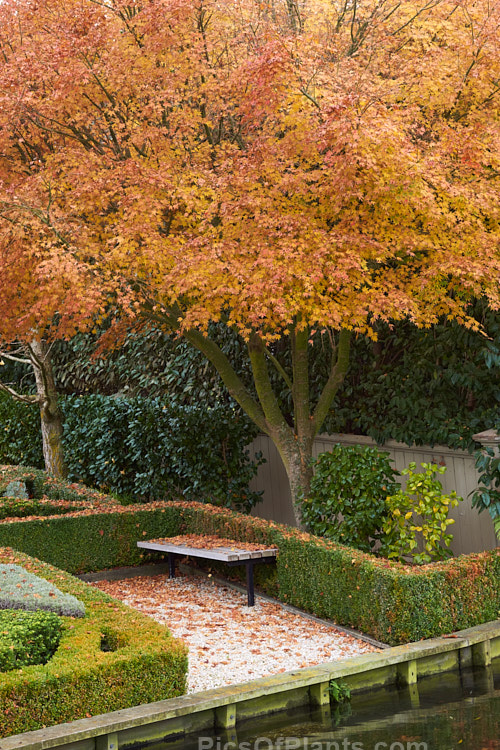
(452, 711)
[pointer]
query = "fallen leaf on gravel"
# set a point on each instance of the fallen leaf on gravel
(241, 642)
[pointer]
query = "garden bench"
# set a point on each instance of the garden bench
(220, 550)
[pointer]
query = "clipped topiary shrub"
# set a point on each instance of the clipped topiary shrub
(27, 638)
(395, 603)
(42, 487)
(112, 658)
(14, 508)
(22, 590)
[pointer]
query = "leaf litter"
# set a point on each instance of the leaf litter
(228, 641)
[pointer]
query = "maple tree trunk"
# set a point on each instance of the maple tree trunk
(50, 413)
(296, 455)
(294, 443)
(299, 473)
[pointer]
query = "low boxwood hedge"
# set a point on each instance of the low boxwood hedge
(393, 602)
(112, 658)
(27, 638)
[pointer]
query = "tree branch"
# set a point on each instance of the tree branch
(428, 6)
(229, 377)
(25, 399)
(300, 388)
(337, 374)
(279, 368)
(267, 398)
(15, 359)
(44, 218)
(37, 356)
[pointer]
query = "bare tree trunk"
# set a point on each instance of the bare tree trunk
(50, 413)
(37, 354)
(296, 454)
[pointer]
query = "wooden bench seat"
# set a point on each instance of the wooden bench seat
(217, 549)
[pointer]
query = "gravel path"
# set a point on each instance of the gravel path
(229, 642)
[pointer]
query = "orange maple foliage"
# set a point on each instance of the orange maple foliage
(277, 167)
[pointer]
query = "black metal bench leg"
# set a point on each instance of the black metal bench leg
(171, 564)
(250, 592)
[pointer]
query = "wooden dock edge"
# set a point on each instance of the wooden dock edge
(223, 707)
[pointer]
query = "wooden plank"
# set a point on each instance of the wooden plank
(225, 554)
(269, 552)
(184, 551)
(465, 535)
(271, 477)
(282, 500)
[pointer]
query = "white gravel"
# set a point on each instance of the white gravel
(228, 641)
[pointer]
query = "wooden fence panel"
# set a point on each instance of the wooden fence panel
(472, 531)
(272, 478)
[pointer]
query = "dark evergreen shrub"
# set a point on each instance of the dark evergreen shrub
(143, 449)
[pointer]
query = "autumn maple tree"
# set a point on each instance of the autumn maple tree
(289, 170)
(44, 295)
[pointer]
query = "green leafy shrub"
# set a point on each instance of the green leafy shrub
(347, 497)
(20, 434)
(148, 449)
(144, 449)
(422, 386)
(487, 496)
(22, 590)
(421, 509)
(112, 658)
(27, 638)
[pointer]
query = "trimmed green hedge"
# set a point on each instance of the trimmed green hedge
(27, 638)
(40, 486)
(84, 543)
(112, 658)
(393, 602)
(390, 601)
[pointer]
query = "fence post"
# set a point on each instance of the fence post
(489, 439)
